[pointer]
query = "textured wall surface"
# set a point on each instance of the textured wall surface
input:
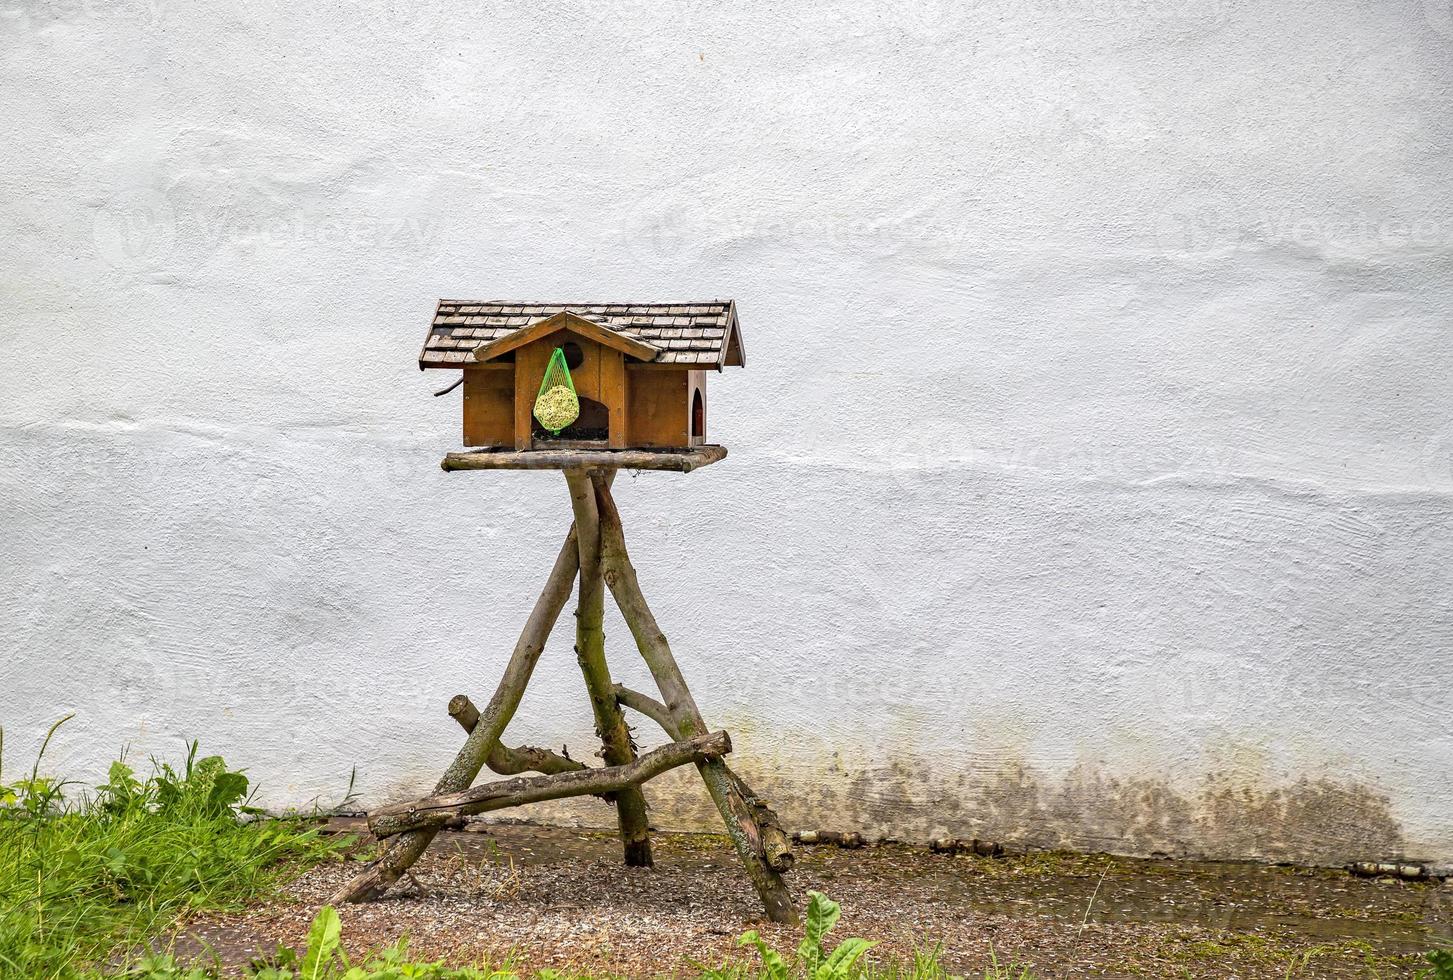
(1091, 477)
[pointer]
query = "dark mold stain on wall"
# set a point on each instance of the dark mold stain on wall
(1308, 821)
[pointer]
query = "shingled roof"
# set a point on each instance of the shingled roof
(687, 335)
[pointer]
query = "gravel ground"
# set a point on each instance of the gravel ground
(550, 897)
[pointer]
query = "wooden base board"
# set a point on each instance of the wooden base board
(672, 460)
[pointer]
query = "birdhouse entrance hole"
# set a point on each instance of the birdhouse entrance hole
(698, 416)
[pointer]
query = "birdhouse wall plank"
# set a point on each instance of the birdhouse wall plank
(489, 406)
(658, 413)
(530, 362)
(613, 396)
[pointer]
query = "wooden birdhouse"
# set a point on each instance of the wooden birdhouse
(589, 390)
(638, 370)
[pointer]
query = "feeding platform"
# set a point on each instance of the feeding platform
(588, 389)
(673, 460)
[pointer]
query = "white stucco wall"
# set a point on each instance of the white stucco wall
(1091, 478)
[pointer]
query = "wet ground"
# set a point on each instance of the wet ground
(551, 897)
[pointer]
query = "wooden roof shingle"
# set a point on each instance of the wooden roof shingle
(688, 335)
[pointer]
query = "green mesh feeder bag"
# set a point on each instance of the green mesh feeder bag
(556, 406)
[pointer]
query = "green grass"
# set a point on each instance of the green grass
(86, 880)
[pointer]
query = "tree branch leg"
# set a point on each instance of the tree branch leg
(610, 722)
(726, 792)
(776, 842)
(405, 849)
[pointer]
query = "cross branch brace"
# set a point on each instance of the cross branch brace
(436, 811)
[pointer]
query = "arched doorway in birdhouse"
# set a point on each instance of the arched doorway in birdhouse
(698, 418)
(593, 425)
